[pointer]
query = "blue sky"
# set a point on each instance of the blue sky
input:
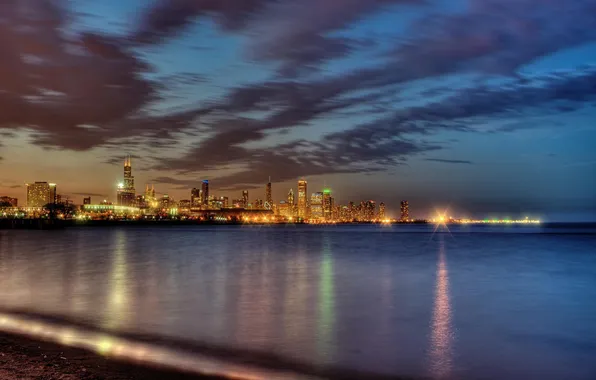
(486, 107)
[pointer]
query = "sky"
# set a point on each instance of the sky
(486, 108)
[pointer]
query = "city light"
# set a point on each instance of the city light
(317, 208)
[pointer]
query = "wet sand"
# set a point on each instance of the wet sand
(23, 359)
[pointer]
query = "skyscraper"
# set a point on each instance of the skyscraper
(245, 198)
(316, 206)
(302, 200)
(290, 203)
(126, 189)
(268, 196)
(405, 211)
(40, 194)
(327, 205)
(369, 210)
(205, 193)
(382, 210)
(195, 197)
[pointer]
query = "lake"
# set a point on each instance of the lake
(486, 302)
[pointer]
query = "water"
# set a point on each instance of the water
(477, 303)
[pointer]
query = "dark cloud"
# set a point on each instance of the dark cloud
(383, 142)
(496, 36)
(89, 194)
(447, 161)
(74, 91)
(167, 18)
(293, 34)
(297, 33)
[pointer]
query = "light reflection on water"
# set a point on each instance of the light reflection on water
(441, 330)
(363, 298)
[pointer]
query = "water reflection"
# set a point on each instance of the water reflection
(441, 331)
(326, 312)
(117, 306)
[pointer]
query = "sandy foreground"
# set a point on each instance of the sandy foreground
(23, 359)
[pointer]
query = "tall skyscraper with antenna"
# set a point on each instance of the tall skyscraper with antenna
(268, 195)
(126, 188)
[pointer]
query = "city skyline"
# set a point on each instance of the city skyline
(324, 203)
(382, 99)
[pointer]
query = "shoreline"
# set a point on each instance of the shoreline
(24, 358)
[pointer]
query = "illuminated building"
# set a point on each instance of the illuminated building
(166, 202)
(284, 209)
(245, 198)
(40, 194)
(316, 206)
(258, 204)
(351, 211)
(382, 210)
(405, 211)
(238, 203)
(327, 202)
(302, 199)
(195, 197)
(87, 201)
(126, 189)
(219, 202)
(13, 202)
(205, 193)
(141, 202)
(184, 205)
(345, 214)
(268, 196)
(110, 209)
(290, 202)
(368, 211)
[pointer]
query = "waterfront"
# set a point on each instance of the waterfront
(487, 302)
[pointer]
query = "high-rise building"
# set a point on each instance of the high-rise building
(195, 197)
(284, 210)
(302, 199)
(245, 198)
(291, 205)
(369, 211)
(382, 210)
(221, 202)
(166, 202)
(268, 196)
(405, 211)
(184, 205)
(40, 194)
(327, 205)
(316, 206)
(258, 204)
(13, 202)
(351, 211)
(205, 193)
(126, 189)
(87, 200)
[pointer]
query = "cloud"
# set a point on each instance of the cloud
(293, 34)
(297, 34)
(383, 142)
(72, 90)
(167, 18)
(446, 161)
(89, 194)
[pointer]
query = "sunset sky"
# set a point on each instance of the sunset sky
(487, 107)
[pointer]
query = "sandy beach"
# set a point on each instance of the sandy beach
(23, 359)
